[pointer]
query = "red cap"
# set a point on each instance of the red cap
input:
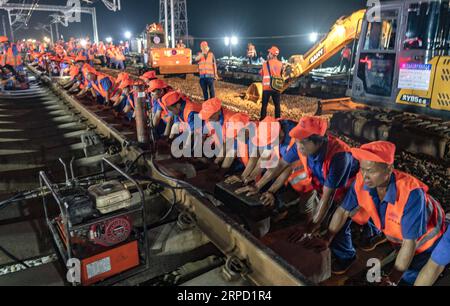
(209, 108)
(274, 50)
(203, 44)
(266, 135)
(3, 39)
(149, 75)
(379, 152)
(172, 98)
(309, 126)
(157, 84)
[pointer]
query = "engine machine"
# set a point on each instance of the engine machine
(95, 225)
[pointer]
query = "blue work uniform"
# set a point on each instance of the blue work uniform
(414, 224)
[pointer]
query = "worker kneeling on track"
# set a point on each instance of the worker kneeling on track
(216, 119)
(235, 158)
(400, 207)
(184, 113)
(160, 117)
(100, 86)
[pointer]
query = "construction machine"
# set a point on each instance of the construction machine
(167, 60)
(399, 90)
(401, 57)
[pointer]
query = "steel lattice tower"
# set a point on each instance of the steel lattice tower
(180, 18)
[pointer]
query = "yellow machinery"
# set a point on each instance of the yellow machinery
(402, 59)
(167, 60)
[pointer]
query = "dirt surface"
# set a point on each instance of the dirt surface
(292, 107)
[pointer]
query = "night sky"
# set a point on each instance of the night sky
(217, 19)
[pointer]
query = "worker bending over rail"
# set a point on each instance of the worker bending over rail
(400, 207)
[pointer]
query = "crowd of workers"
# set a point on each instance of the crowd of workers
(351, 185)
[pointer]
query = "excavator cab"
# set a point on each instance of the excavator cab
(402, 59)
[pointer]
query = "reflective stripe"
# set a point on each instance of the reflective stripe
(437, 229)
(299, 178)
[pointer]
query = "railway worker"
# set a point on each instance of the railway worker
(160, 116)
(327, 168)
(251, 53)
(100, 86)
(119, 58)
(91, 55)
(237, 159)
(216, 119)
(272, 140)
(121, 89)
(440, 258)
(8, 79)
(10, 54)
(126, 103)
(271, 68)
(101, 53)
(76, 75)
(208, 71)
(116, 90)
(400, 207)
(184, 112)
(346, 57)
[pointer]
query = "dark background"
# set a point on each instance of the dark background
(215, 19)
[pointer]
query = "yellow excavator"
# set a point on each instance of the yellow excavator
(401, 61)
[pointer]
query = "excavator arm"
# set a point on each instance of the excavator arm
(344, 31)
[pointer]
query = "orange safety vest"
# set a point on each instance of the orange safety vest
(102, 49)
(276, 67)
(206, 65)
(165, 116)
(118, 55)
(74, 71)
(302, 178)
(406, 183)
(9, 57)
(99, 88)
(91, 54)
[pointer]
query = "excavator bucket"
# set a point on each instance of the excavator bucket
(255, 93)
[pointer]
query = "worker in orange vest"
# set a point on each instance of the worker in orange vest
(216, 119)
(326, 167)
(400, 207)
(9, 53)
(184, 112)
(238, 133)
(161, 118)
(346, 57)
(100, 86)
(271, 68)
(208, 71)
